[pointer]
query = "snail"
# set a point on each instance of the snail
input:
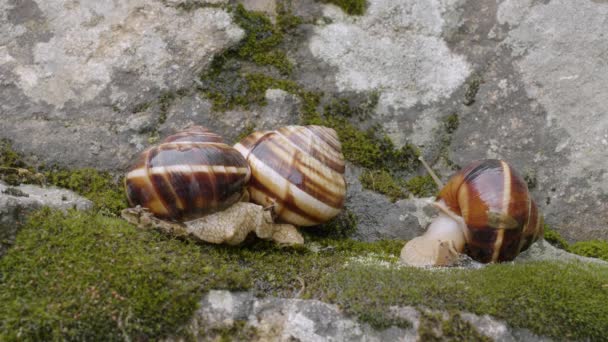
(189, 174)
(191, 184)
(298, 170)
(485, 211)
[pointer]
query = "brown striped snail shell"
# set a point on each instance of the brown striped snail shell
(489, 202)
(297, 169)
(493, 199)
(188, 175)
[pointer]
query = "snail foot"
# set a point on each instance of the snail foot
(422, 251)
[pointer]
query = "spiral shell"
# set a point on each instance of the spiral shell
(502, 219)
(297, 169)
(190, 174)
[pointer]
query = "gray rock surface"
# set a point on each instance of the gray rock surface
(17, 202)
(74, 75)
(88, 84)
(541, 99)
(283, 319)
(378, 218)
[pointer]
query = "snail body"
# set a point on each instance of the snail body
(188, 175)
(486, 212)
(299, 170)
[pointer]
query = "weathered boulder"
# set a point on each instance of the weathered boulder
(87, 84)
(79, 80)
(16, 202)
(284, 319)
(526, 79)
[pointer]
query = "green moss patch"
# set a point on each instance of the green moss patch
(422, 186)
(87, 276)
(381, 181)
(554, 238)
(227, 85)
(352, 7)
(594, 249)
(83, 276)
(563, 300)
(107, 194)
(435, 327)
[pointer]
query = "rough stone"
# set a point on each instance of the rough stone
(379, 218)
(92, 84)
(396, 48)
(73, 75)
(17, 202)
(541, 73)
(284, 319)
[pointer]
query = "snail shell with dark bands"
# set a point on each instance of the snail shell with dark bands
(190, 174)
(299, 170)
(501, 218)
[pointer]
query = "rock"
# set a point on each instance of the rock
(74, 75)
(283, 319)
(378, 218)
(534, 99)
(544, 251)
(17, 202)
(88, 84)
(413, 66)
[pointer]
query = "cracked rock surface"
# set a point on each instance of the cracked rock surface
(93, 83)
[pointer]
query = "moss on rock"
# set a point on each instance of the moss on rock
(383, 182)
(436, 327)
(352, 7)
(594, 249)
(101, 188)
(422, 186)
(554, 238)
(562, 300)
(83, 275)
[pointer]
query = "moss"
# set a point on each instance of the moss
(561, 300)
(451, 123)
(260, 34)
(594, 249)
(554, 238)
(249, 128)
(278, 59)
(83, 276)
(342, 107)
(9, 158)
(107, 194)
(352, 7)
(88, 276)
(422, 186)
(239, 331)
(141, 107)
(14, 192)
(286, 20)
(341, 226)
(226, 83)
(434, 327)
(191, 5)
(370, 148)
(473, 85)
(383, 182)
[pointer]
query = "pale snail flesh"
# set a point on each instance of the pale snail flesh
(190, 174)
(486, 212)
(298, 170)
